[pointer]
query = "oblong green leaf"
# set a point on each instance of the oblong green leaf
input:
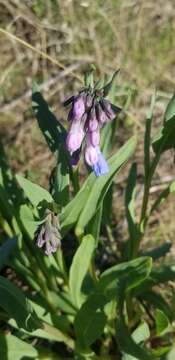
(51, 128)
(165, 139)
(162, 322)
(17, 306)
(158, 302)
(127, 344)
(55, 136)
(6, 249)
(140, 334)
(79, 268)
(93, 191)
(130, 274)
(108, 86)
(35, 193)
(12, 348)
(101, 184)
(158, 275)
(90, 321)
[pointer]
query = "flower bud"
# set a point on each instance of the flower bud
(93, 122)
(94, 137)
(75, 137)
(101, 115)
(78, 107)
(49, 236)
(109, 109)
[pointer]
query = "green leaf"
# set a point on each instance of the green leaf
(28, 221)
(107, 137)
(165, 139)
(35, 193)
(55, 136)
(53, 131)
(10, 194)
(163, 195)
(125, 340)
(89, 78)
(61, 322)
(130, 274)
(158, 275)
(93, 191)
(108, 86)
(139, 335)
(12, 348)
(101, 185)
(72, 210)
(157, 301)
(147, 138)
(130, 211)
(90, 321)
(17, 306)
(60, 187)
(64, 303)
(5, 250)
(79, 268)
(94, 225)
(107, 206)
(47, 332)
(159, 251)
(128, 345)
(162, 322)
(171, 354)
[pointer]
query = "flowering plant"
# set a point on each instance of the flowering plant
(71, 304)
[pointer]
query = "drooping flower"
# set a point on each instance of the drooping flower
(49, 237)
(89, 112)
(78, 107)
(74, 138)
(100, 167)
(101, 115)
(91, 155)
(93, 121)
(94, 137)
(109, 109)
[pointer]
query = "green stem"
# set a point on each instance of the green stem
(144, 210)
(92, 271)
(62, 266)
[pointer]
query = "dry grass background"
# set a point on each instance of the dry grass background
(53, 42)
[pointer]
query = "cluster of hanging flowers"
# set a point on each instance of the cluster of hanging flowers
(89, 112)
(49, 236)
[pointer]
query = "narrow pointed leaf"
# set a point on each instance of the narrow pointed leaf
(130, 210)
(162, 322)
(107, 87)
(165, 139)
